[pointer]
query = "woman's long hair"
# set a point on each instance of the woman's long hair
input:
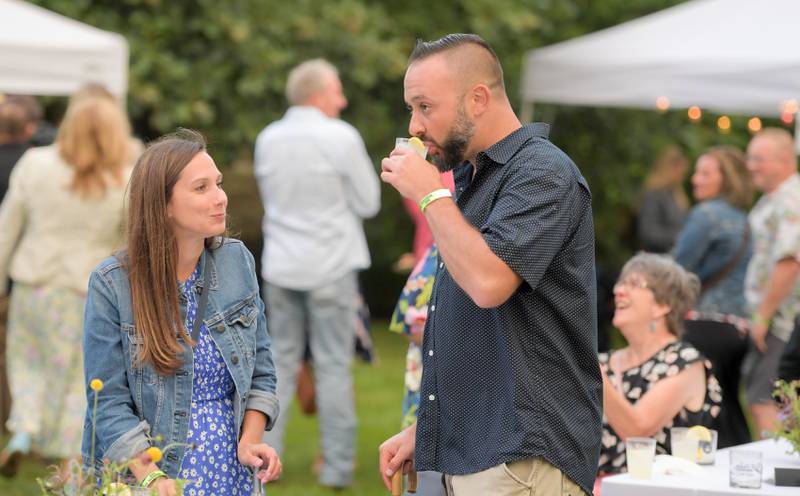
(95, 140)
(663, 175)
(737, 185)
(152, 253)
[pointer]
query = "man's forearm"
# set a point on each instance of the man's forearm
(781, 282)
(470, 261)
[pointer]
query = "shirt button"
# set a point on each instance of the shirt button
(430, 352)
(441, 264)
(433, 308)
(431, 397)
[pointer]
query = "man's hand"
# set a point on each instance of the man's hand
(395, 451)
(410, 174)
(260, 456)
(758, 333)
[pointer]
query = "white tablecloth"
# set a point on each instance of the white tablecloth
(715, 477)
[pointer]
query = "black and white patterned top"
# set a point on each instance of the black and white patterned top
(669, 361)
(520, 380)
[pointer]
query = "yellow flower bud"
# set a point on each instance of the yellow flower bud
(96, 384)
(154, 453)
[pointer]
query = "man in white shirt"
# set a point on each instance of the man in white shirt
(772, 286)
(317, 183)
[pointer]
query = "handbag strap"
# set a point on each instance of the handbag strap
(719, 276)
(203, 291)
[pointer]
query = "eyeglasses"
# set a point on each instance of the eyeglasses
(631, 283)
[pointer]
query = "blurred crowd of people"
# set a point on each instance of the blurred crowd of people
(746, 258)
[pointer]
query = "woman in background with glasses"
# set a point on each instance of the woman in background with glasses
(657, 381)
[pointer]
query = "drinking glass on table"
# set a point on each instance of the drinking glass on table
(640, 453)
(683, 445)
(707, 449)
(745, 469)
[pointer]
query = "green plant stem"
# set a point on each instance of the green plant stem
(94, 426)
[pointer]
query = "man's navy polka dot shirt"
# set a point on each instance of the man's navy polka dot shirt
(520, 380)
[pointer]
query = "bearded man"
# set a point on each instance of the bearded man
(511, 390)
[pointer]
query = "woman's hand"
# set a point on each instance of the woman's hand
(261, 456)
(164, 487)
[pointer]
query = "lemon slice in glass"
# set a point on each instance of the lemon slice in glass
(418, 146)
(702, 434)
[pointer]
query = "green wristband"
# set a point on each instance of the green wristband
(151, 477)
(433, 196)
(759, 319)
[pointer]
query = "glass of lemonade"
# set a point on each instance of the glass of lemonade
(683, 445)
(407, 143)
(640, 453)
(707, 449)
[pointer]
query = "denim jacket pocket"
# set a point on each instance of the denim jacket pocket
(147, 385)
(241, 321)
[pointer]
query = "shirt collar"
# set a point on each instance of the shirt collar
(502, 151)
(304, 111)
(787, 184)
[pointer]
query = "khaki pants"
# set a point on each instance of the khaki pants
(534, 477)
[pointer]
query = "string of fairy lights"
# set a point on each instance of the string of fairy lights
(788, 108)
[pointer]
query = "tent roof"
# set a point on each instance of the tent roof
(44, 53)
(737, 56)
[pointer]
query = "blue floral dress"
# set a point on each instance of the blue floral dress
(212, 467)
(409, 318)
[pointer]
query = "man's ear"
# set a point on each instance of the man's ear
(479, 98)
(30, 130)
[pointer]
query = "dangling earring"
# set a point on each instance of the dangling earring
(653, 326)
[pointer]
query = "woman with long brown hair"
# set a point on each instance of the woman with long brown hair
(63, 214)
(716, 245)
(175, 329)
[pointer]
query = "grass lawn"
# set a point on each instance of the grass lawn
(379, 389)
(378, 396)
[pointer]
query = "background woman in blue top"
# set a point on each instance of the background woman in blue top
(715, 245)
(215, 391)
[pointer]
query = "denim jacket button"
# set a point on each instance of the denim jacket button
(220, 328)
(235, 359)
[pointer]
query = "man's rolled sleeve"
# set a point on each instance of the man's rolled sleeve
(529, 221)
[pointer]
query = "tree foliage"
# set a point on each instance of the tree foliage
(220, 67)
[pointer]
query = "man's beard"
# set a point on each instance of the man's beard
(455, 144)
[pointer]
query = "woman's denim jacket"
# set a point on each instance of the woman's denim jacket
(710, 239)
(137, 407)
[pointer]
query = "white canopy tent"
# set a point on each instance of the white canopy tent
(44, 53)
(729, 56)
